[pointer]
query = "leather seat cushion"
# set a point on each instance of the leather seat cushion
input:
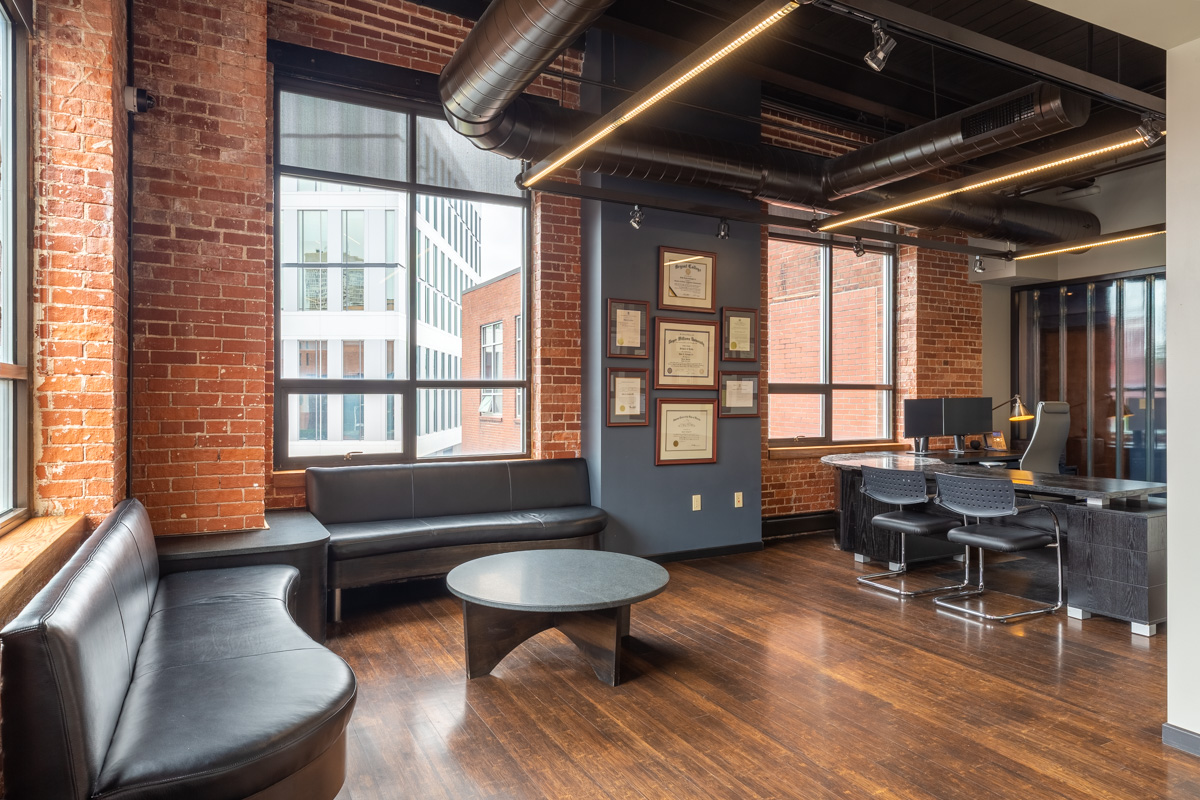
(916, 523)
(229, 695)
(1001, 538)
(363, 539)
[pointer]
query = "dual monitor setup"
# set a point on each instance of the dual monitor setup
(946, 416)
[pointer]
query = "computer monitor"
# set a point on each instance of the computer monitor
(922, 419)
(965, 415)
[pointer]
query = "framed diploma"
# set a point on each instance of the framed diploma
(739, 334)
(686, 280)
(738, 394)
(686, 432)
(685, 354)
(628, 397)
(628, 329)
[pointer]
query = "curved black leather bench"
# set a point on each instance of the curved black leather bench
(120, 685)
(393, 522)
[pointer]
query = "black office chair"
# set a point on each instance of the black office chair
(905, 489)
(988, 498)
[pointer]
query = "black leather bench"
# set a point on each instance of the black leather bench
(400, 521)
(117, 684)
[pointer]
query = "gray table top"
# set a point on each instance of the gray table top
(557, 580)
(1077, 486)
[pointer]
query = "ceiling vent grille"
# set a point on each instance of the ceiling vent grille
(999, 116)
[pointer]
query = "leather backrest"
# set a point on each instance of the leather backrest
(68, 658)
(464, 487)
(1049, 438)
(360, 494)
(552, 483)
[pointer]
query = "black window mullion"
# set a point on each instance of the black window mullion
(409, 394)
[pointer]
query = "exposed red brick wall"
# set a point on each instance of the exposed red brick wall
(202, 253)
(80, 252)
(497, 301)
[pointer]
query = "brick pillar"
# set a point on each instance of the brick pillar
(202, 250)
(79, 282)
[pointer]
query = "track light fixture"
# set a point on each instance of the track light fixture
(723, 229)
(1150, 130)
(884, 44)
(979, 264)
(636, 218)
(860, 249)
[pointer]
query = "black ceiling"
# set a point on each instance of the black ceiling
(812, 61)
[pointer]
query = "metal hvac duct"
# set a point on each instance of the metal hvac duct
(515, 40)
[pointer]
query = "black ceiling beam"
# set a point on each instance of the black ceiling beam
(936, 31)
(843, 235)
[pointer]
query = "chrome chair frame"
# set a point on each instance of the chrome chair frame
(873, 579)
(949, 601)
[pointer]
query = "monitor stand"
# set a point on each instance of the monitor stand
(960, 444)
(920, 446)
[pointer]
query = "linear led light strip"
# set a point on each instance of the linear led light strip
(788, 7)
(1088, 245)
(839, 221)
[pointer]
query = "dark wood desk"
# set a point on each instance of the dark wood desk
(1115, 539)
(977, 456)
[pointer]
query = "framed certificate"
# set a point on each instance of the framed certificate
(686, 432)
(628, 397)
(628, 329)
(686, 280)
(738, 394)
(685, 353)
(739, 334)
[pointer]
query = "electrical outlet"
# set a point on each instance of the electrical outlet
(737, 499)
(695, 502)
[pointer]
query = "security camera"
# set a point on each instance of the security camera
(138, 101)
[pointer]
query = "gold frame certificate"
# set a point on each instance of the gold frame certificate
(628, 398)
(685, 354)
(686, 432)
(739, 334)
(628, 328)
(687, 280)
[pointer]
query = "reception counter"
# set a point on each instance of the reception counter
(1115, 533)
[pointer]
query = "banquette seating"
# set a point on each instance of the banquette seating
(399, 521)
(119, 684)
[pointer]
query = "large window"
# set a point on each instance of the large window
(386, 221)
(14, 314)
(830, 324)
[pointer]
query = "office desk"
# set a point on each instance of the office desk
(975, 456)
(1114, 534)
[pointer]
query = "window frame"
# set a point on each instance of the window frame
(409, 388)
(826, 387)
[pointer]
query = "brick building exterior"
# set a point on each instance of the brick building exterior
(494, 427)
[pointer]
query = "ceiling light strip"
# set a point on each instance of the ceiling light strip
(1114, 238)
(997, 180)
(705, 59)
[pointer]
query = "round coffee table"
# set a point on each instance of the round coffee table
(586, 594)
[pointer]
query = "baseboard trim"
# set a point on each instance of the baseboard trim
(1181, 739)
(706, 552)
(799, 524)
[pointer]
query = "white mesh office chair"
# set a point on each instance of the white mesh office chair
(1049, 438)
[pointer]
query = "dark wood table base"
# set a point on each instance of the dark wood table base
(493, 633)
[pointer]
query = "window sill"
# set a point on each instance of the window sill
(288, 478)
(493, 418)
(784, 453)
(31, 554)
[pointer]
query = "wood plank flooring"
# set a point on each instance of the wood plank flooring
(763, 675)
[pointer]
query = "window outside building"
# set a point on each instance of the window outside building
(384, 306)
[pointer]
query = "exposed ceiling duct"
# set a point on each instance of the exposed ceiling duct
(515, 40)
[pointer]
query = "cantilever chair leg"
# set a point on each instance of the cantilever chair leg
(873, 580)
(948, 601)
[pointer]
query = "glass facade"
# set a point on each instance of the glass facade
(1099, 346)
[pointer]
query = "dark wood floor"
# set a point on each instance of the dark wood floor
(769, 674)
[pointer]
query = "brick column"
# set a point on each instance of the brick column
(202, 249)
(79, 282)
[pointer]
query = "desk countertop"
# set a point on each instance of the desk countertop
(1079, 487)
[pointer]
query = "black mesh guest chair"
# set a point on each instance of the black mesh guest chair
(985, 499)
(906, 489)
